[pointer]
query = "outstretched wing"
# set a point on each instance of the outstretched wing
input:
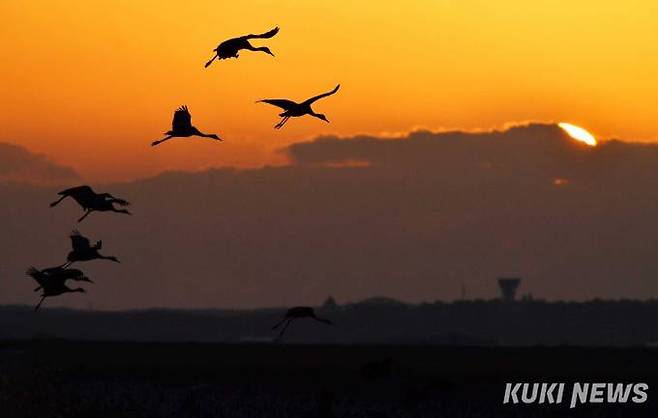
(33, 272)
(83, 190)
(284, 104)
(38, 276)
(267, 34)
(182, 120)
(319, 96)
(79, 242)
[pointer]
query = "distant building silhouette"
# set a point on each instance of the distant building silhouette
(508, 287)
(330, 303)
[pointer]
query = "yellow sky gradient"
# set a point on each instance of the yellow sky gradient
(91, 84)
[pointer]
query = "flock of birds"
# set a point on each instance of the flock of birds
(52, 281)
(181, 126)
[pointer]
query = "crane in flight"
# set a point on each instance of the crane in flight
(296, 313)
(294, 109)
(91, 201)
(84, 251)
(52, 281)
(56, 273)
(231, 47)
(181, 127)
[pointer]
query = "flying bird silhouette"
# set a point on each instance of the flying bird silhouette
(57, 273)
(294, 109)
(53, 281)
(91, 201)
(231, 47)
(181, 127)
(84, 251)
(296, 313)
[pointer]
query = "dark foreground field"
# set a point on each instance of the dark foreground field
(49, 379)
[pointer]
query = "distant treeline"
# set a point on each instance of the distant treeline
(374, 321)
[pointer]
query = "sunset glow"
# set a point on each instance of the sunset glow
(578, 133)
(91, 84)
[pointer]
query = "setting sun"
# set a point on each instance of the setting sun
(578, 133)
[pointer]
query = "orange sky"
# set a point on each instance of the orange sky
(91, 84)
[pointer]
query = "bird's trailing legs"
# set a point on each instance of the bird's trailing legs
(36, 308)
(211, 60)
(66, 265)
(283, 122)
(278, 324)
(283, 330)
(154, 143)
(85, 215)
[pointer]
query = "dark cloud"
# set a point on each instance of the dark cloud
(19, 164)
(428, 213)
(534, 149)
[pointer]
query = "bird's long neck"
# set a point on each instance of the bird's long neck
(326, 321)
(261, 49)
(57, 201)
(318, 115)
(199, 133)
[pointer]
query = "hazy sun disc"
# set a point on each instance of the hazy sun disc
(578, 133)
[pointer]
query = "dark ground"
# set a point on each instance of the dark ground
(57, 378)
